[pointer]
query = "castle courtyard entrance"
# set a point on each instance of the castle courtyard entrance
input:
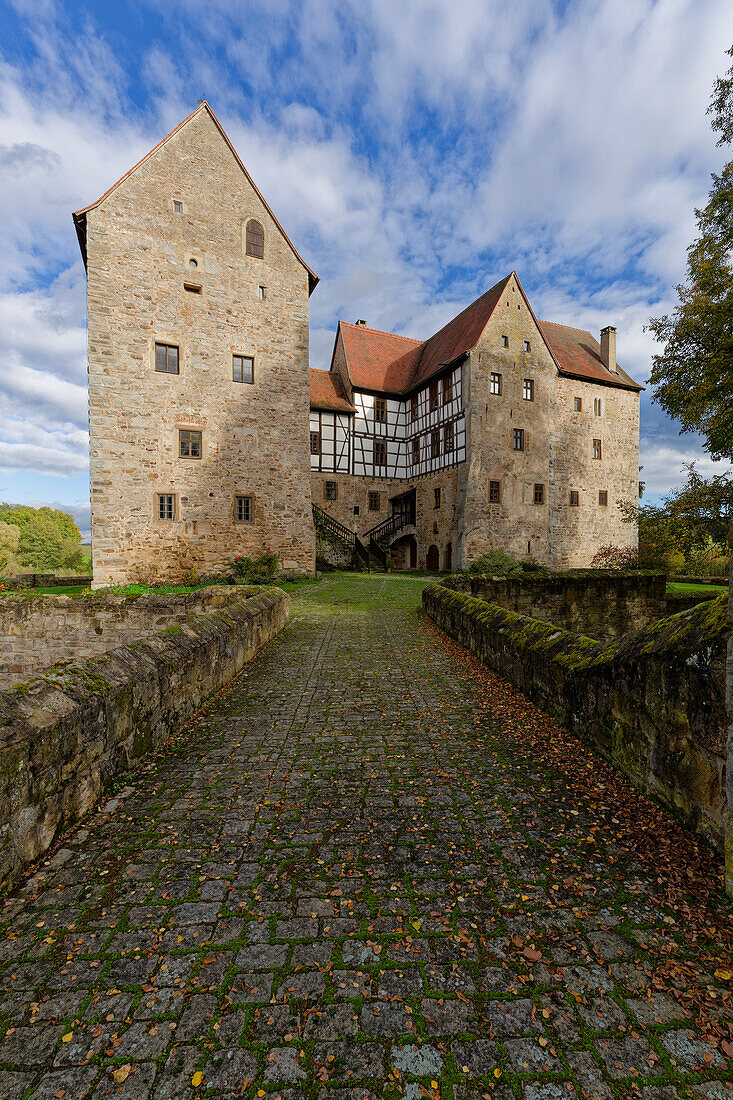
(366, 867)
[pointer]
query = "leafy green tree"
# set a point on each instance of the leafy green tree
(701, 509)
(692, 377)
(41, 545)
(20, 515)
(9, 536)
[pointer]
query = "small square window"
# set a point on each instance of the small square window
(330, 490)
(243, 509)
(603, 498)
(177, 207)
(495, 384)
(380, 453)
(539, 494)
(597, 448)
(447, 390)
(380, 410)
(189, 444)
(528, 389)
(436, 498)
(416, 449)
(374, 502)
(505, 341)
(518, 439)
(315, 443)
(166, 506)
(435, 443)
(447, 439)
(243, 369)
(577, 404)
(261, 292)
(526, 345)
(166, 358)
(494, 492)
(574, 498)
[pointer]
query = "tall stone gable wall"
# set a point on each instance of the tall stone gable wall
(255, 437)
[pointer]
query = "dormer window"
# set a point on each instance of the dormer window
(255, 239)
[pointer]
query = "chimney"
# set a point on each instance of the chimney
(360, 322)
(608, 348)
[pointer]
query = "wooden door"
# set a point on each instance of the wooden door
(433, 560)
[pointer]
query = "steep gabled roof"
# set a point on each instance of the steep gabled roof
(327, 392)
(578, 355)
(79, 216)
(381, 361)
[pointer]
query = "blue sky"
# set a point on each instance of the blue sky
(415, 153)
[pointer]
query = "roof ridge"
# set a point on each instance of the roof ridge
(573, 328)
(382, 332)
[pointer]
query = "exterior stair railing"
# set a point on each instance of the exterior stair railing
(383, 532)
(349, 538)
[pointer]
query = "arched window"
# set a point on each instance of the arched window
(255, 239)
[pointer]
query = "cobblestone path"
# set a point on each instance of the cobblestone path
(331, 887)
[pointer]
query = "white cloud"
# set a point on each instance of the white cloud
(663, 466)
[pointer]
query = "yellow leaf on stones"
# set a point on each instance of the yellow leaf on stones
(497, 1072)
(122, 1073)
(724, 975)
(197, 1078)
(543, 1041)
(433, 1084)
(417, 924)
(67, 1037)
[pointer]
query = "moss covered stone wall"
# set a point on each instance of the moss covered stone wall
(65, 735)
(652, 702)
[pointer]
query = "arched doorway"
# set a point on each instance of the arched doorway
(448, 557)
(433, 560)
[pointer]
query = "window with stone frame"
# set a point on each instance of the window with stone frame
(539, 493)
(525, 344)
(416, 450)
(380, 410)
(166, 504)
(243, 369)
(374, 504)
(597, 451)
(433, 396)
(435, 443)
(330, 490)
(167, 358)
(597, 407)
(436, 497)
(603, 498)
(177, 206)
(189, 443)
(315, 443)
(243, 510)
(255, 239)
(574, 498)
(494, 492)
(448, 439)
(495, 384)
(414, 407)
(380, 453)
(528, 389)
(577, 404)
(447, 389)
(518, 439)
(505, 341)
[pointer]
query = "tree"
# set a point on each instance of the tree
(41, 545)
(692, 377)
(20, 515)
(9, 536)
(701, 509)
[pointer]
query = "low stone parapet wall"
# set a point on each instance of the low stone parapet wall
(651, 703)
(47, 580)
(601, 604)
(65, 735)
(40, 632)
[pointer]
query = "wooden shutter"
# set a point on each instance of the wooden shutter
(255, 239)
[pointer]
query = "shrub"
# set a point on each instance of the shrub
(497, 563)
(259, 570)
(614, 557)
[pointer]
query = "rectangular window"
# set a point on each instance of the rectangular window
(597, 406)
(526, 345)
(435, 443)
(539, 494)
(356, 509)
(189, 444)
(177, 207)
(574, 498)
(448, 439)
(494, 492)
(436, 496)
(505, 341)
(330, 490)
(374, 502)
(577, 404)
(380, 410)
(518, 439)
(166, 506)
(528, 389)
(603, 498)
(243, 368)
(166, 358)
(261, 292)
(315, 443)
(495, 384)
(433, 396)
(596, 448)
(447, 390)
(416, 450)
(192, 288)
(414, 407)
(243, 509)
(380, 453)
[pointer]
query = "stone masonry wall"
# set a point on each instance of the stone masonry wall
(39, 632)
(66, 735)
(597, 604)
(652, 703)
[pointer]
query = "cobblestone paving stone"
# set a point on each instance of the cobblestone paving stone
(327, 887)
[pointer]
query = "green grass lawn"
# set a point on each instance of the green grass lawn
(677, 589)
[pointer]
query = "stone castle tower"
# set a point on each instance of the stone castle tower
(198, 366)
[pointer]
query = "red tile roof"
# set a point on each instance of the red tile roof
(578, 354)
(80, 219)
(377, 360)
(327, 392)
